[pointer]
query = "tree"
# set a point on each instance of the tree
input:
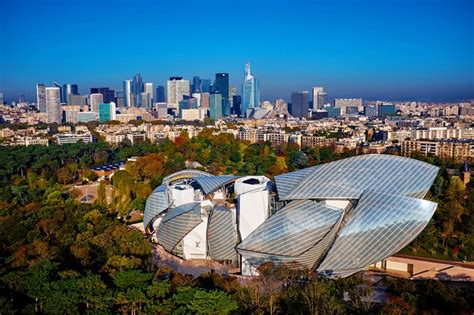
(101, 195)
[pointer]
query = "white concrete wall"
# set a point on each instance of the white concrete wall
(181, 197)
(195, 243)
(252, 211)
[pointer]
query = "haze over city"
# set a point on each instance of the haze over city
(389, 50)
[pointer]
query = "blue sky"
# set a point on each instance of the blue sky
(383, 49)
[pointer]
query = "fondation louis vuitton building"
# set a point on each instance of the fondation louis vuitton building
(337, 218)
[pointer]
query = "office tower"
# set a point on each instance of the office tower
(77, 100)
(387, 109)
(66, 91)
(161, 110)
(145, 100)
(106, 112)
(221, 86)
(53, 104)
(322, 99)
(160, 94)
(74, 89)
(205, 100)
(316, 92)
(370, 111)
(40, 97)
(176, 89)
(196, 87)
(299, 104)
(148, 89)
(236, 105)
(137, 88)
(21, 98)
(94, 100)
(343, 103)
(108, 94)
(127, 91)
(60, 87)
(215, 106)
(206, 86)
(1, 99)
(250, 91)
(197, 96)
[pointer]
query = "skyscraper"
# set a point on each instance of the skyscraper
(299, 104)
(67, 91)
(215, 106)
(177, 88)
(53, 104)
(160, 94)
(41, 97)
(127, 92)
(204, 102)
(317, 91)
(196, 87)
(94, 100)
(148, 89)
(236, 105)
(205, 86)
(60, 87)
(106, 112)
(1, 99)
(108, 94)
(250, 91)
(137, 88)
(221, 86)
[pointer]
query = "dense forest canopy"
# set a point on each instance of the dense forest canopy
(61, 256)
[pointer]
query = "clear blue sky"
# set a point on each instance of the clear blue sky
(380, 49)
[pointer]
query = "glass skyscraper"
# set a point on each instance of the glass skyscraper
(221, 86)
(250, 91)
(137, 88)
(127, 91)
(160, 94)
(215, 106)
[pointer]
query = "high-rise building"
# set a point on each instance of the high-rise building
(370, 111)
(176, 89)
(236, 105)
(137, 88)
(221, 86)
(1, 99)
(53, 104)
(94, 100)
(68, 90)
(250, 91)
(316, 92)
(148, 89)
(204, 103)
(128, 95)
(299, 104)
(206, 86)
(343, 103)
(196, 86)
(60, 87)
(41, 97)
(108, 94)
(160, 94)
(215, 106)
(106, 112)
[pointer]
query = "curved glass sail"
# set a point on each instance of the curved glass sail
(379, 226)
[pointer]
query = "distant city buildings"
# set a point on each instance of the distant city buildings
(53, 104)
(40, 97)
(250, 92)
(94, 100)
(177, 88)
(299, 104)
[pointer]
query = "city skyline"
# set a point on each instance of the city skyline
(421, 51)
